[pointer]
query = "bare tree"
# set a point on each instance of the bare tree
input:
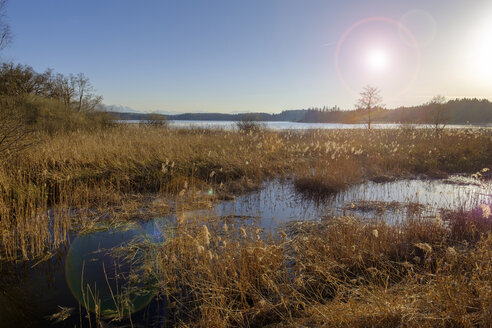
(436, 113)
(81, 84)
(370, 99)
(5, 34)
(85, 100)
(75, 91)
(62, 88)
(17, 80)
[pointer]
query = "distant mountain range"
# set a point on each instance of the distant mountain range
(126, 109)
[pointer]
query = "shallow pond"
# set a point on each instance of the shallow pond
(279, 202)
(42, 294)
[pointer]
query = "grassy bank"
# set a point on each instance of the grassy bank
(105, 169)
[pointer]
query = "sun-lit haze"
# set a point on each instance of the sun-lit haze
(259, 55)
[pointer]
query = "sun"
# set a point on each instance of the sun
(377, 59)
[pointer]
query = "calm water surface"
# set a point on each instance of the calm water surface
(229, 125)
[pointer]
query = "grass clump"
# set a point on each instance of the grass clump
(325, 178)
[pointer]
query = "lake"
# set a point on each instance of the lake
(227, 125)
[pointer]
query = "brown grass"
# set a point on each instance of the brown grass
(101, 169)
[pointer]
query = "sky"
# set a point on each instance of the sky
(259, 55)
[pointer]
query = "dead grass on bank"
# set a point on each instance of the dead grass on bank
(341, 272)
(41, 187)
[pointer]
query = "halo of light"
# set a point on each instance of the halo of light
(84, 270)
(383, 19)
(422, 24)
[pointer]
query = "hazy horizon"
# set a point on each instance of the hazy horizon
(259, 56)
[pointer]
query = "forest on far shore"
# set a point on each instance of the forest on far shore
(457, 111)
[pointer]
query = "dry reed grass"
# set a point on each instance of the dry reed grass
(341, 272)
(44, 188)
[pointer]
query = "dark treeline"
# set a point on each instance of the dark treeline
(48, 101)
(458, 111)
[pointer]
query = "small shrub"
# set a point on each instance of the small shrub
(156, 120)
(249, 124)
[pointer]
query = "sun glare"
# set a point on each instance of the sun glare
(484, 51)
(377, 60)
(480, 53)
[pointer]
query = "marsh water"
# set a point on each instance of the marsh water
(55, 292)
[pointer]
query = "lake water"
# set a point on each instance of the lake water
(228, 125)
(31, 292)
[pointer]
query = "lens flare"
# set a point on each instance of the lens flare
(423, 27)
(103, 283)
(378, 59)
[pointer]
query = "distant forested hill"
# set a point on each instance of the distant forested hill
(288, 115)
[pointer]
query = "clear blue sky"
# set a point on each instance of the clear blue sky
(258, 55)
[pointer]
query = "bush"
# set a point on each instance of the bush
(249, 123)
(156, 120)
(51, 115)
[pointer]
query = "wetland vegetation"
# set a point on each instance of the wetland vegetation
(340, 269)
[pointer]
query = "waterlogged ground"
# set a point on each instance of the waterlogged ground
(103, 266)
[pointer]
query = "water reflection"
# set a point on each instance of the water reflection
(284, 125)
(278, 202)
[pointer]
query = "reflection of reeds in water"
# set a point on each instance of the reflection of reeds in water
(90, 298)
(115, 299)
